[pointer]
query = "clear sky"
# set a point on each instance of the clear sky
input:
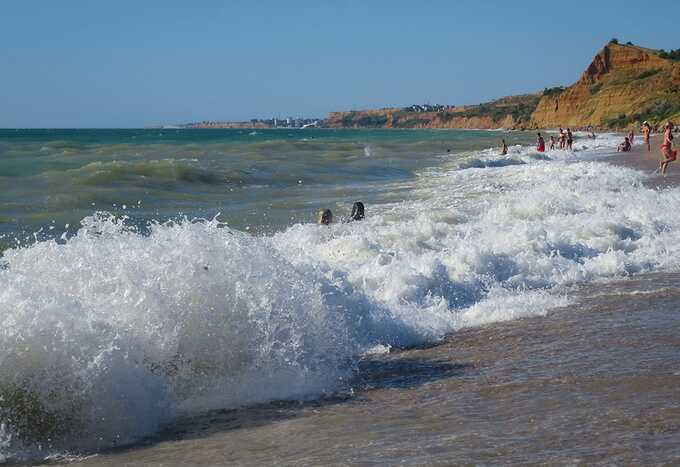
(130, 63)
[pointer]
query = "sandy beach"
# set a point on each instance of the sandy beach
(648, 161)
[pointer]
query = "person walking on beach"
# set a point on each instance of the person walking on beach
(504, 148)
(540, 143)
(669, 154)
(646, 131)
(570, 139)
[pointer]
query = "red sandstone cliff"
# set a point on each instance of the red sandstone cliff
(622, 85)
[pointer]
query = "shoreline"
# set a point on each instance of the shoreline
(591, 382)
(648, 161)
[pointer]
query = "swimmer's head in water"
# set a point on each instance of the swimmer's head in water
(357, 211)
(325, 217)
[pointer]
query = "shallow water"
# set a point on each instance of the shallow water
(127, 327)
(596, 382)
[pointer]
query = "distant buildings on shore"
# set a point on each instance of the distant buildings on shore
(299, 122)
(428, 108)
(273, 122)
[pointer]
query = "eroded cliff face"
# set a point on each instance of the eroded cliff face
(623, 85)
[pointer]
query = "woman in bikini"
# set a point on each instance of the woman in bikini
(570, 139)
(562, 138)
(646, 130)
(669, 154)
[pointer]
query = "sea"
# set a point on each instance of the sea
(167, 298)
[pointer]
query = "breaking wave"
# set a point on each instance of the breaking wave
(111, 333)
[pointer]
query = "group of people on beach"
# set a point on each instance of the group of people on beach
(627, 143)
(564, 141)
(668, 154)
(326, 215)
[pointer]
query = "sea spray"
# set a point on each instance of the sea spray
(111, 334)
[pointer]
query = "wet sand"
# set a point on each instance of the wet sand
(597, 382)
(648, 161)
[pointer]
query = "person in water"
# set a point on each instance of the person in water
(570, 139)
(357, 212)
(562, 138)
(646, 131)
(504, 148)
(325, 217)
(631, 135)
(552, 142)
(540, 143)
(669, 154)
(625, 146)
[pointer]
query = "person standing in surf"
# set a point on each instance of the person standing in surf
(646, 131)
(570, 139)
(552, 142)
(540, 143)
(504, 148)
(631, 136)
(669, 154)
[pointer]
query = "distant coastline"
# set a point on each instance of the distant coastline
(253, 124)
(623, 86)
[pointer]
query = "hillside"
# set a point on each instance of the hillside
(624, 84)
(508, 112)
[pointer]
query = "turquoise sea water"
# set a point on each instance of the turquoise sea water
(260, 180)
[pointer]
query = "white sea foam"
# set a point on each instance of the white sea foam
(113, 333)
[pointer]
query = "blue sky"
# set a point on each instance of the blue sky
(133, 63)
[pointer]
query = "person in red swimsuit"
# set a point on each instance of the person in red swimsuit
(540, 143)
(669, 154)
